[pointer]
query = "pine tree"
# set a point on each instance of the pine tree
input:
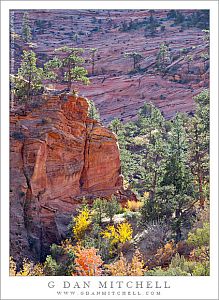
(70, 62)
(153, 156)
(189, 59)
(28, 81)
(163, 57)
(178, 176)
(26, 30)
(152, 23)
(51, 68)
(93, 112)
(93, 52)
(116, 126)
(137, 58)
(99, 210)
(199, 136)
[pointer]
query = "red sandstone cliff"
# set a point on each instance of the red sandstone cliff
(58, 155)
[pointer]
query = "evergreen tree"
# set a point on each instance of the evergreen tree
(75, 37)
(93, 52)
(28, 81)
(178, 176)
(152, 24)
(137, 58)
(199, 136)
(70, 61)
(152, 130)
(26, 30)
(51, 68)
(189, 59)
(93, 112)
(205, 57)
(99, 208)
(153, 158)
(116, 126)
(129, 159)
(163, 57)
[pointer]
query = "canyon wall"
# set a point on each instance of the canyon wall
(58, 156)
(117, 91)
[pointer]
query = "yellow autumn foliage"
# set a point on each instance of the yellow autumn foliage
(28, 268)
(82, 222)
(12, 267)
(133, 205)
(125, 232)
(120, 234)
(67, 246)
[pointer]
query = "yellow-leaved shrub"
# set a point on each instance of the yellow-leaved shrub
(133, 205)
(28, 268)
(82, 222)
(120, 234)
(124, 232)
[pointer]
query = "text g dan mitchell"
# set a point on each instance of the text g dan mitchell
(109, 284)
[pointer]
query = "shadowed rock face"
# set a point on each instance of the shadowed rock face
(58, 155)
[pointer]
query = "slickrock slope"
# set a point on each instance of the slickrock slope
(117, 92)
(58, 155)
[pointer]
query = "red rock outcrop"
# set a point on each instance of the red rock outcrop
(58, 155)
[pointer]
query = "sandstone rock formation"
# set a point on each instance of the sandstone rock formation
(116, 91)
(58, 155)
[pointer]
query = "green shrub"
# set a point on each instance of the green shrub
(200, 237)
(112, 208)
(99, 210)
(51, 268)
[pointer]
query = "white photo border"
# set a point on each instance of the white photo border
(180, 287)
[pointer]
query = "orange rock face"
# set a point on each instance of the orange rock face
(58, 155)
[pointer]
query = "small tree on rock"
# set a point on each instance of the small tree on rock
(26, 30)
(137, 58)
(93, 52)
(163, 57)
(93, 112)
(28, 81)
(71, 61)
